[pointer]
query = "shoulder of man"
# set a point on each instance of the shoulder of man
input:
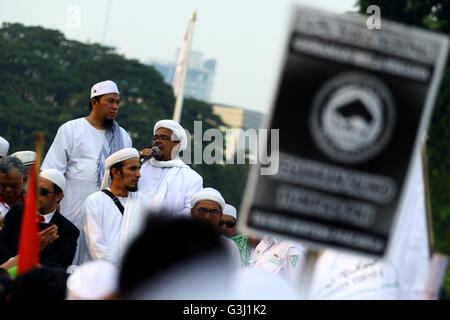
(191, 173)
(65, 223)
(15, 212)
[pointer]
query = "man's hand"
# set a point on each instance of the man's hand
(145, 152)
(47, 235)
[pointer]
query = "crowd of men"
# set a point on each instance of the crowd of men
(133, 221)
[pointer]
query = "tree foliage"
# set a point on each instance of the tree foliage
(46, 81)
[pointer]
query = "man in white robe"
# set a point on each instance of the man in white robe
(80, 148)
(167, 181)
(107, 230)
(207, 207)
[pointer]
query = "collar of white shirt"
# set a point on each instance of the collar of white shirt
(48, 216)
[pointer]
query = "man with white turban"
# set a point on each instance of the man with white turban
(207, 207)
(114, 215)
(4, 147)
(167, 181)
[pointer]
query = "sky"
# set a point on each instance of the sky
(246, 37)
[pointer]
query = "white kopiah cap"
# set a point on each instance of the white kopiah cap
(94, 280)
(54, 176)
(104, 87)
(208, 194)
(230, 210)
(27, 157)
(4, 147)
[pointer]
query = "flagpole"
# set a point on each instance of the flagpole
(39, 145)
(180, 92)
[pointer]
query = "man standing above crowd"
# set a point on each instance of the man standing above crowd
(80, 148)
(114, 215)
(167, 181)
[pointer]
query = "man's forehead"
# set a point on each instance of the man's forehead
(164, 131)
(12, 173)
(131, 162)
(111, 95)
(227, 217)
(208, 204)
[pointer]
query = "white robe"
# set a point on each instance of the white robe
(184, 185)
(283, 258)
(74, 152)
(108, 233)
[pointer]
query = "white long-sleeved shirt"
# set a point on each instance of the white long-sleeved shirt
(103, 224)
(283, 258)
(182, 188)
(74, 152)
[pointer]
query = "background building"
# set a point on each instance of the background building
(199, 77)
(237, 118)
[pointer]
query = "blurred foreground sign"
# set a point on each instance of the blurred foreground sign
(352, 105)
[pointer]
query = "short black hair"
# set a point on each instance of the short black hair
(41, 283)
(192, 239)
(118, 166)
(96, 98)
(57, 189)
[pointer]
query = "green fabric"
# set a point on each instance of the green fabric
(245, 248)
(13, 271)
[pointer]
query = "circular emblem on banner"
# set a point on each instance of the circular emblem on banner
(352, 117)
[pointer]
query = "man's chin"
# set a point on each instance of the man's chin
(108, 123)
(132, 189)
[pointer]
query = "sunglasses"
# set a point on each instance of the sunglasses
(229, 224)
(44, 192)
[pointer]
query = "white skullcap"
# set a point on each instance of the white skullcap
(94, 280)
(230, 210)
(116, 157)
(54, 176)
(27, 157)
(176, 128)
(4, 147)
(104, 87)
(208, 194)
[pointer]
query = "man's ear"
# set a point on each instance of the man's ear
(59, 197)
(25, 179)
(115, 172)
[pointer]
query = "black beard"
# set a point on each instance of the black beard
(159, 157)
(132, 189)
(108, 123)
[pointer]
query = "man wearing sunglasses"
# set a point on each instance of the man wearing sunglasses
(207, 208)
(58, 236)
(166, 180)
